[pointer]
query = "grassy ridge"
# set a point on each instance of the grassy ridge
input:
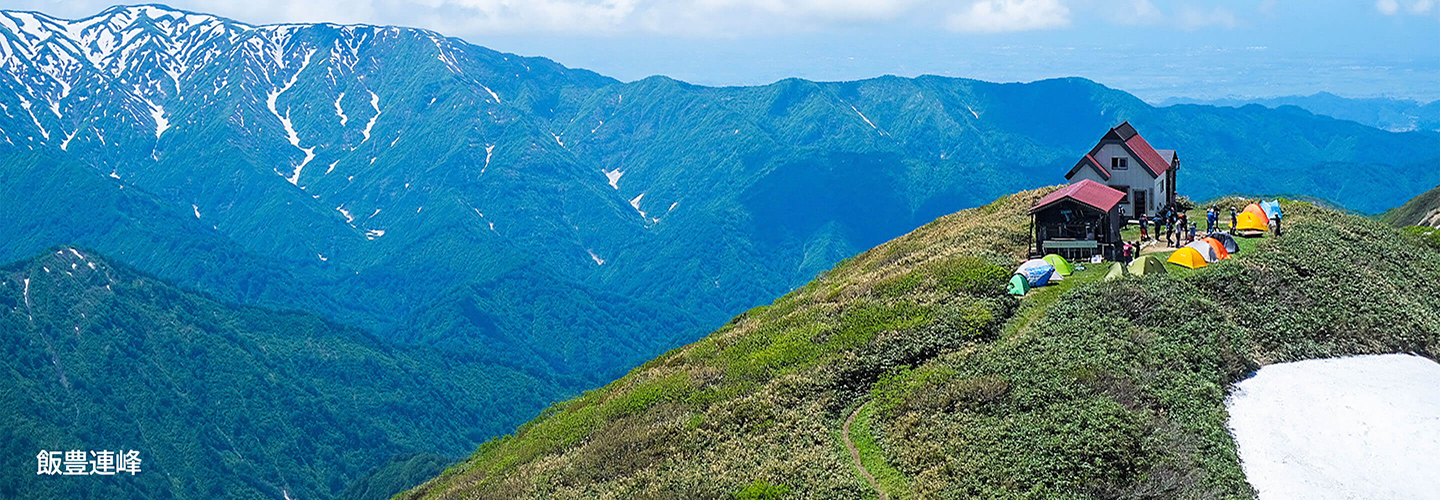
(1088, 390)
(755, 403)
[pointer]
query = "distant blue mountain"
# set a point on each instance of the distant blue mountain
(1395, 115)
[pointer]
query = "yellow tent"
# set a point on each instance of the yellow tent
(1247, 221)
(1188, 257)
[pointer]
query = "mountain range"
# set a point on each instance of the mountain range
(547, 228)
(1395, 115)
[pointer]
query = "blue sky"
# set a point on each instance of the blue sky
(1154, 48)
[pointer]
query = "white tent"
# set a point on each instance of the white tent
(1206, 251)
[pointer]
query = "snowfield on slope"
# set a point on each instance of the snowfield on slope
(1365, 427)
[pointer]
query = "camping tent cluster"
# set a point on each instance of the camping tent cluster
(1254, 221)
(1256, 217)
(1039, 272)
(1144, 266)
(1203, 252)
(1199, 253)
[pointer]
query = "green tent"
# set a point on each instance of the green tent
(1148, 264)
(1117, 270)
(1062, 266)
(1019, 285)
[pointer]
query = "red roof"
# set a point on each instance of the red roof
(1125, 134)
(1148, 155)
(1088, 192)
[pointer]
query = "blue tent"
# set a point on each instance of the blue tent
(1271, 208)
(1036, 271)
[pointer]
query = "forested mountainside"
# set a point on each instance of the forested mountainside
(222, 401)
(949, 388)
(544, 221)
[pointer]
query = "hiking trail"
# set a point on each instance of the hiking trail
(855, 453)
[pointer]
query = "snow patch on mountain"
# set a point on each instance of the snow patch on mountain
(158, 113)
(1365, 427)
(291, 134)
(862, 117)
(493, 95)
(613, 176)
(349, 219)
(374, 103)
(339, 111)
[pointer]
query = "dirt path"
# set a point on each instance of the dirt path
(855, 454)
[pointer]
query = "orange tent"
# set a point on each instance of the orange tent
(1220, 252)
(1188, 257)
(1247, 221)
(1254, 208)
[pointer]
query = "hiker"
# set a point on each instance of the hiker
(1234, 221)
(1126, 253)
(1192, 233)
(1144, 232)
(1277, 226)
(1169, 233)
(1211, 219)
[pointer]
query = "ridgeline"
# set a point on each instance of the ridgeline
(1088, 389)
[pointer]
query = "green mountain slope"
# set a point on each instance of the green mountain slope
(1089, 389)
(1423, 210)
(222, 401)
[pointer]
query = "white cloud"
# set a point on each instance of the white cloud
(1266, 6)
(1192, 18)
(1394, 7)
(997, 16)
(1134, 13)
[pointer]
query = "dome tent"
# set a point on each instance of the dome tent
(1036, 271)
(1117, 271)
(1227, 241)
(1062, 266)
(1221, 252)
(1188, 257)
(1205, 250)
(1272, 209)
(1018, 285)
(1147, 265)
(1248, 221)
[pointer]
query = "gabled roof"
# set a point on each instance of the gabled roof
(1090, 161)
(1127, 137)
(1088, 192)
(1147, 155)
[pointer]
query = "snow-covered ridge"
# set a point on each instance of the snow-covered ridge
(149, 56)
